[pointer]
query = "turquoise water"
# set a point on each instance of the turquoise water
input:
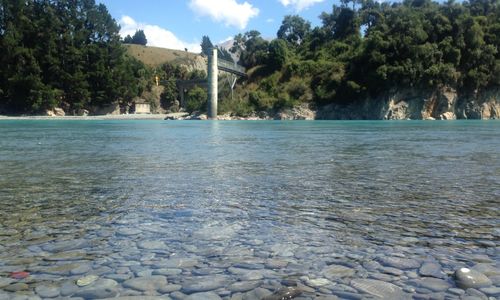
(285, 200)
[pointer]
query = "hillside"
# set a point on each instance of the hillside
(155, 56)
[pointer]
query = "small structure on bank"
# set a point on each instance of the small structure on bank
(141, 107)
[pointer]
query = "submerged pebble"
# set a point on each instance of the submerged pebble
(469, 278)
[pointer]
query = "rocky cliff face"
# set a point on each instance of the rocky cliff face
(198, 63)
(442, 104)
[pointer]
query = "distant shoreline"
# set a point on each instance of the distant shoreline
(99, 117)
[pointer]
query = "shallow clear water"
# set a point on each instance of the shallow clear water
(215, 200)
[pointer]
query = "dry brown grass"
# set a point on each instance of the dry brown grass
(154, 56)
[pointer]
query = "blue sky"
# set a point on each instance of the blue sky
(180, 24)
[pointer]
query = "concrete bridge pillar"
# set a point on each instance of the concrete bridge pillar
(213, 73)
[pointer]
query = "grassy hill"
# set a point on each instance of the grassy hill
(154, 56)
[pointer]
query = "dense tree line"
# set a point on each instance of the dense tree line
(364, 48)
(139, 38)
(68, 53)
(63, 53)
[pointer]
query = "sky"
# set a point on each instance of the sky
(179, 24)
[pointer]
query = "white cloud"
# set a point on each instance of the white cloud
(230, 12)
(270, 20)
(299, 5)
(156, 36)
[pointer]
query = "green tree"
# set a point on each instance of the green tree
(196, 100)
(139, 38)
(206, 45)
(252, 48)
(169, 94)
(128, 39)
(294, 29)
(62, 53)
(278, 54)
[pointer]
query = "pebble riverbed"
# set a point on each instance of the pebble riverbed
(271, 210)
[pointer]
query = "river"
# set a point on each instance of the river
(243, 209)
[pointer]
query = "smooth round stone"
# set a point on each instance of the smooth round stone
(4, 296)
(495, 280)
(487, 269)
(243, 286)
(391, 271)
(16, 287)
(468, 278)
(250, 266)
(217, 233)
(456, 291)
(119, 277)
(96, 293)
(179, 262)
(177, 295)
(480, 258)
(250, 275)
(203, 296)
(46, 291)
(381, 277)
(81, 270)
(377, 288)
(84, 281)
(371, 265)
(411, 274)
(429, 269)
(167, 272)
(128, 231)
(399, 262)
(149, 283)
(487, 243)
(66, 245)
(491, 291)
(276, 264)
(283, 250)
(475, 293)
(408, 240)
(337, 271)
(66, 256)
(169, 288)
(152, 245)
(144, 273)
(318, 282)
(349, 295)
(5, 281)
(68, 288)
(204, 284)
(206, 271)
(282, 293)
(62, 269)
(431, 283)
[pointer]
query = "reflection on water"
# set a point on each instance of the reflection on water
(256, 204)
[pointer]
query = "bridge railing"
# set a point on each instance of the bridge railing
(230, 66)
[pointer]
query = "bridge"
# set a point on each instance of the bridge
(231, 67)
(214, 65)
(212, 82)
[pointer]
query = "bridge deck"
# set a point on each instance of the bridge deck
(230, 67)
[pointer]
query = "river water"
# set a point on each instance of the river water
(242, 209)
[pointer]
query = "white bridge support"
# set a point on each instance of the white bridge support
(213, 74)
